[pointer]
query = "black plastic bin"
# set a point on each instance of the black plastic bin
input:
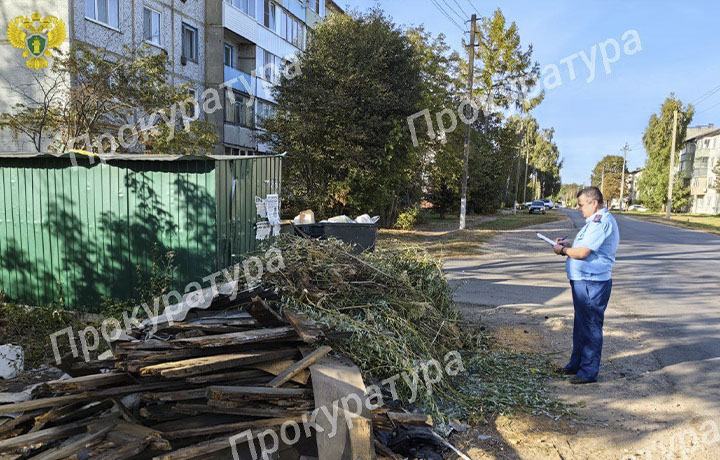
(361, 236)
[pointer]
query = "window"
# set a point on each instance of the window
(246, 6)
(270, 21)
(265, 110)
(192, 105)
(151, 26)
(238, 109)
(284, 24)
(271, 66)
(189, 42)
(228, 55)
(103, 11)
(315, 5)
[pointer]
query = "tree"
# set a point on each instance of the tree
(343, 120)
(503, 82)
(657, 139)
(568, 194)
(92, 94)
(545, 159)
(437, 178)
(607, 175)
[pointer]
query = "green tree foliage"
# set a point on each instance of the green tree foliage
(653, 186)
(92, 93)
(504, 80)
(546, 163)
(437, 176)
(611, 166)
(507, 75)
(568, 194)
(343, 120)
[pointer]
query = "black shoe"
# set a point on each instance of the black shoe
(565, 371)
(580, 381)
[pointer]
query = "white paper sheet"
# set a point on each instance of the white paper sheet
(260, 207)
(272, 205)
(546, 239)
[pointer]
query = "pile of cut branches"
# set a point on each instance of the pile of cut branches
(398, 308)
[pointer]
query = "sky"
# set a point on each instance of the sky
(680, 53)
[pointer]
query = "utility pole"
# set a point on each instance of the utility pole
(466, 155)
(527, 158)
(622, 181)
(672, 167)
(517, 179)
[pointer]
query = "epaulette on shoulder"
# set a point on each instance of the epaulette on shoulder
(597, 218)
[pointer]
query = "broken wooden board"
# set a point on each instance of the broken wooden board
(262, 393)
(333, 381)
(196, 366)
(264, 315)
(308, 330)
(299, 366)
(277, 367)
(238, 338)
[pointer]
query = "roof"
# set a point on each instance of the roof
(701, 134)
(132, 156)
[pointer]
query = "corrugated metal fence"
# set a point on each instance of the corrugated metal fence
(83, 232)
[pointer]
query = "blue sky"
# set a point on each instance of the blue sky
(680, 54)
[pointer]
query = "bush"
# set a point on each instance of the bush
(31, 327)
(407, 219)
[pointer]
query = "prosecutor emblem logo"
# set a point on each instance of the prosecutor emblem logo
(36, 35)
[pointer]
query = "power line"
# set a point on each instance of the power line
(709, 108)
(449, 7)
(473, 7)
(461, 9)
(705, 96)
(441, 10)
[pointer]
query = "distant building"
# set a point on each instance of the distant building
(633, 185)
(698, 161)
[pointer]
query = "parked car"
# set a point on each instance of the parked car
(537, 206)
(548, 204)
(637, 207)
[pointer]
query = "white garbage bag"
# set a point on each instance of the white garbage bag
(12, 361)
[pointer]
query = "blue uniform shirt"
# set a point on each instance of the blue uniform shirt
(600, 234)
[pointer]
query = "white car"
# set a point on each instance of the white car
(537, 206)
(638, 208)
(548, 204)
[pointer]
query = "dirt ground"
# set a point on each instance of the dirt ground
(632, 413)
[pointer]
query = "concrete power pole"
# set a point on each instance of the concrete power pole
(466, 155)
(672, 167)
(527, 158)
(517, 179)
(622, 181)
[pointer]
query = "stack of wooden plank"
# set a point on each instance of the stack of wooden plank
(183, 391)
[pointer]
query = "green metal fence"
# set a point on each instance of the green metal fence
(82, 232)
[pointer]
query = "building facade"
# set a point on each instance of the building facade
(702, 151)
(235, 46)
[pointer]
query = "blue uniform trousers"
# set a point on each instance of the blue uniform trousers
(590, 299)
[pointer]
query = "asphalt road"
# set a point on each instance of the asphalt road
(662, 324)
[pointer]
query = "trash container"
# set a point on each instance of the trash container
(361, 236)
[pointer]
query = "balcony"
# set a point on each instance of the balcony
(698, 186)
(239, 80)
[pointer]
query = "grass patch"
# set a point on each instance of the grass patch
(710, 224)
(441, 239)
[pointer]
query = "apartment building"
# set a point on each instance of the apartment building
(259, 38)
(208, 43)
(705, 149)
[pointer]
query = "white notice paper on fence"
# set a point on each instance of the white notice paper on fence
(260, 207)
(272, 205)
(546, 239)
(262, 230)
